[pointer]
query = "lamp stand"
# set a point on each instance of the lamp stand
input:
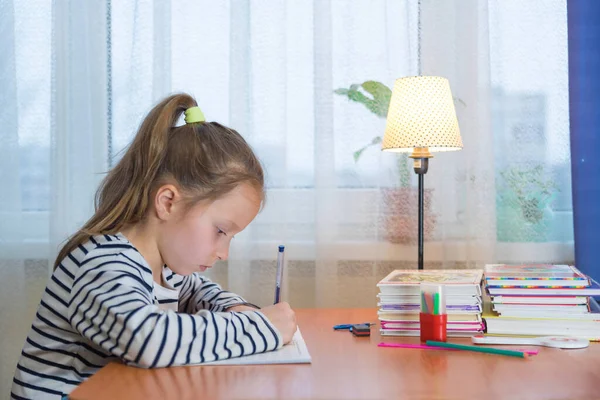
(421, 156)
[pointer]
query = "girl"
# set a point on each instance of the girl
(126, 286)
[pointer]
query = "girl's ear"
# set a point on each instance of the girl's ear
(164, 201)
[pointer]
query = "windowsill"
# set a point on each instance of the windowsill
(363, 250)
(296, 216)
(433, 251)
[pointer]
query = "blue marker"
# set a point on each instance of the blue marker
(279, 274)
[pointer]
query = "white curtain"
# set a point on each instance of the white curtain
(78, 77)
(79, 152)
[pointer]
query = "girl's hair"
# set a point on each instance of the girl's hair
(204, 160)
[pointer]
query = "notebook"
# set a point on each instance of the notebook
(390, 317)
(534, 275)
(535, 324)
(399, 299)
(592, 290)
(460, 282)
(523, 299)
(416, 308)
(416, 332)
(294, 352)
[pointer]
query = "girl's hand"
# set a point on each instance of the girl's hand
(283, 317)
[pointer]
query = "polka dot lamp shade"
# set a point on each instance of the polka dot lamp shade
(421, 114)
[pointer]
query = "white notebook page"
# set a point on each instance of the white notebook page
(294, 352)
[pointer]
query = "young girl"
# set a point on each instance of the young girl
(126, 286)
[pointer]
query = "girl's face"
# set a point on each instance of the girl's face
(191, 241)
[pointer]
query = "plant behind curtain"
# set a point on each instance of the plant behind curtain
(77, 78)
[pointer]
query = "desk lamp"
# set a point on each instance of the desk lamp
(421, 119)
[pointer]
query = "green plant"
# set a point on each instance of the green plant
(378, 104)
(529, 188)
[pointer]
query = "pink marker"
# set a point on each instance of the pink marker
(425, 347)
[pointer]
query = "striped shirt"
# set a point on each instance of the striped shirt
(101, 305)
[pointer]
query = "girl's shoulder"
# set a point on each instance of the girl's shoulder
(104, 249)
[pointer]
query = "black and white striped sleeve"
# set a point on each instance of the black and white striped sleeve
(111, 305)
(199, 293)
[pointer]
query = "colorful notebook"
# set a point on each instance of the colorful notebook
(535, 275)
(592, 290)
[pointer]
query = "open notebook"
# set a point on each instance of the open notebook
(294, 352)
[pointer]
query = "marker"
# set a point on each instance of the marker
(425, 347)
(279, 274)
(513, 353)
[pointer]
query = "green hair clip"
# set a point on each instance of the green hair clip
(194, 114)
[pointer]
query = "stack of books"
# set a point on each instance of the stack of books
(399, 301)
(541, 300)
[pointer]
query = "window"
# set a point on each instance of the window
(258, 68)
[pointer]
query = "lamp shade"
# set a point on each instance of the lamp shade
(421, 114)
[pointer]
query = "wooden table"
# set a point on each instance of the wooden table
(348, 367)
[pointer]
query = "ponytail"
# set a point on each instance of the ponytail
(124, 195)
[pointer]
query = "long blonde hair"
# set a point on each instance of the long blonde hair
(205, 160)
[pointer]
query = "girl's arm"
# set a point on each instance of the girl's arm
(199, 293)
(111, 305)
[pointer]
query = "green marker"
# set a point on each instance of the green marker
(489, 350)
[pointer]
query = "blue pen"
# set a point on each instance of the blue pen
(349, 326)
(279, 274)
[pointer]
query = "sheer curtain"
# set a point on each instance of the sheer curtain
(269, 70)
(52, 146)
(78, 77)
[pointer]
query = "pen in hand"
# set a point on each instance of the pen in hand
(279, 274)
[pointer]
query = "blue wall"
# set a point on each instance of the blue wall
(584, 102)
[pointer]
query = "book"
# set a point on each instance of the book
(294, 352)
(543, 327)
(402, 325)
(415, 326)
(592, 290)
(417, 332)
(416, 308)
(411, 323)
(550, 315)
(393, 317)
(456, 282)
(535, 275)
(400, 301)
(541, 308)
(585, 326)
(522, 299)
(411, 299)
